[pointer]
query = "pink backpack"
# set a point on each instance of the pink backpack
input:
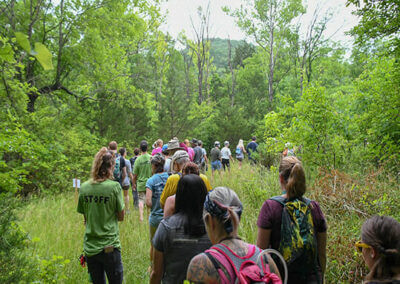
(251, 268)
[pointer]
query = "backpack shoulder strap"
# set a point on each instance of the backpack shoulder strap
(306, 200)
(279, 199)
(222, 265)
(214, 262)
(234, 260)
(229, 256)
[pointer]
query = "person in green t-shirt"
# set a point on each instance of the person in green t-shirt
(141, 174)
(102, 205)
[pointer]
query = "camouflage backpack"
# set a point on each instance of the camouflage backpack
(298, 243)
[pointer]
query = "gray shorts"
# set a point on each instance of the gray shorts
(142, 196)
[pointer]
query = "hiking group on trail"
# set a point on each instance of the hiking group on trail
(193, 227)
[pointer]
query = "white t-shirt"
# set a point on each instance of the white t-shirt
(225, 153)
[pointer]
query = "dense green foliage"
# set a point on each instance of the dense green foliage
(124, 80)
(77, 74)
(378, 19)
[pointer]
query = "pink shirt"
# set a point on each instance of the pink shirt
(191, 153)
(156, 150)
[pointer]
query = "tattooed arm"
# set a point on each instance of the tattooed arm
(202, 270)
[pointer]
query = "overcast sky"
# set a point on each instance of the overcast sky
(179, 13)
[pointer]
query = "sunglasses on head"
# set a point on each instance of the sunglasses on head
(360, 245)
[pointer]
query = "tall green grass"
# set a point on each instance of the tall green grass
(57, 229)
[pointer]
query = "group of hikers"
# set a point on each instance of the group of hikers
(193, 227)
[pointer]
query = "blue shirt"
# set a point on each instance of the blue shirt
(251, 147)
(156, 184)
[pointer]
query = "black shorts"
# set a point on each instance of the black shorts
(110, 263)
(225, 163)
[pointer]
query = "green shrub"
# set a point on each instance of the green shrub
(16, 265)
(51, 271)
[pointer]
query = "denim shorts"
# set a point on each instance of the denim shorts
(216, 165)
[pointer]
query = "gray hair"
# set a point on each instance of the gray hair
(180, 158)
(224, 197)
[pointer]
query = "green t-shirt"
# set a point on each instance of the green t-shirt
(143, 171)
(215, 154)
(99, 203)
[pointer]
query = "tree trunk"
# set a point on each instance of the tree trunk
(31, 103)
(271, 67)
(200, 83)
(302, 66)
(206, 85)
(232, 72)
(271, 55)
(187, 62)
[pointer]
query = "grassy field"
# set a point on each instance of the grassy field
(57, 230)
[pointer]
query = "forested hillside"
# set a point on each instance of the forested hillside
(78, 74)
(219, 51)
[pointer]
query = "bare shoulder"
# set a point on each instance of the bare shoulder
(169, 207)
(202, 270)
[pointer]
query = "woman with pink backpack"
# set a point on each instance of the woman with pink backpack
(229, 260)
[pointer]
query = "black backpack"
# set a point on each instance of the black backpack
(132, 160)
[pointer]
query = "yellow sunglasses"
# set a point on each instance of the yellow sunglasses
(360, 245)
